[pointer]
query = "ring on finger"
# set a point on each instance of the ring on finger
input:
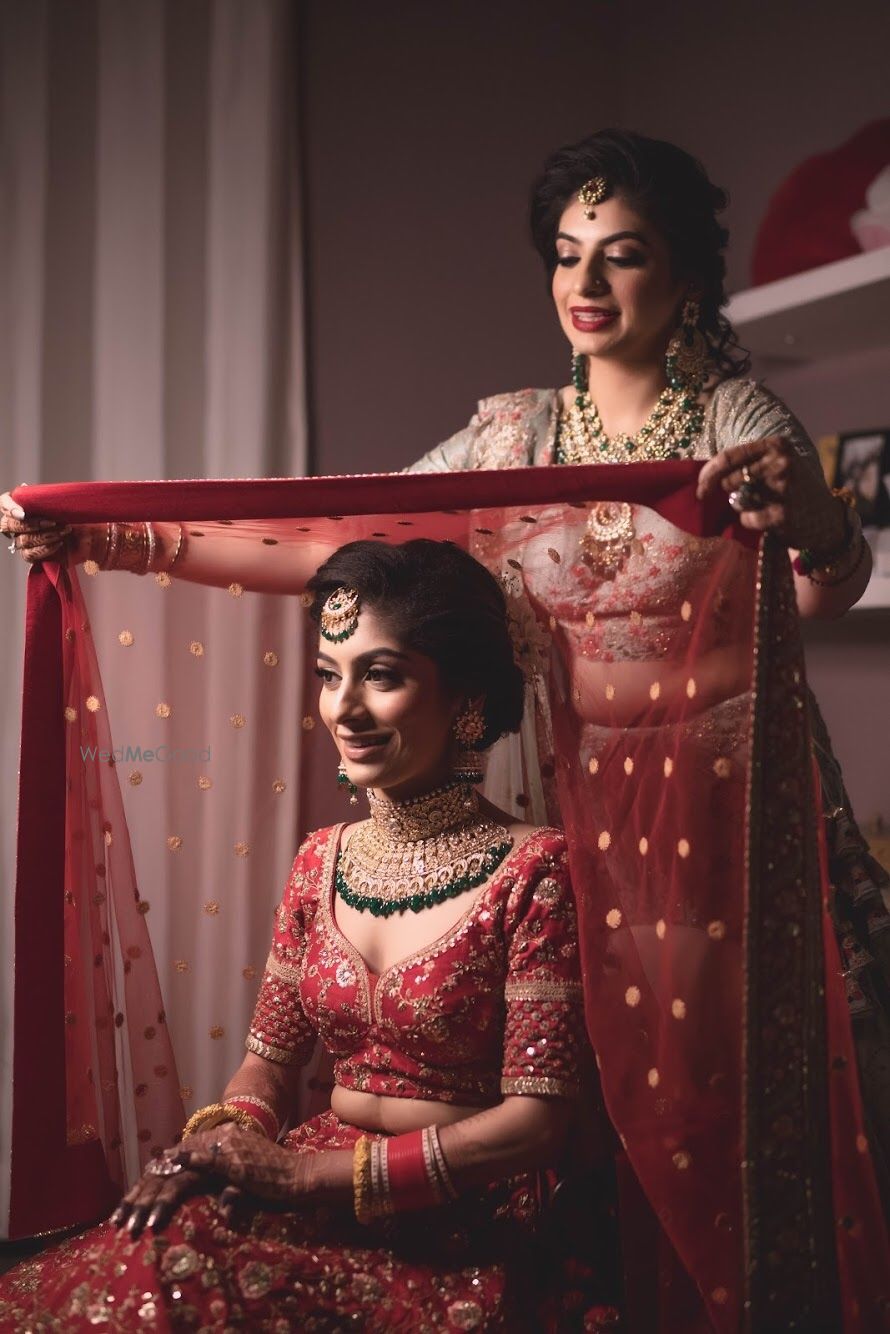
(163, 1167)
(746, 476)
(749, 496)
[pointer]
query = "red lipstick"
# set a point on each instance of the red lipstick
(590, 319)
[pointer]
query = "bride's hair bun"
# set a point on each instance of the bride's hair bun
(441, 602)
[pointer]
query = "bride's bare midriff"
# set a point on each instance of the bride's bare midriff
(370, 1111)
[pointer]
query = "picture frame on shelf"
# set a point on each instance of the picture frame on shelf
(863, 465)
(860, 460)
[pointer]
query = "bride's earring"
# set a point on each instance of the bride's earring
(468, 768)
(343, 781)
(686, 364)
(469, 727)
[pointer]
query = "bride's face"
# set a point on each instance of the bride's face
(614, 288)
(386, 709)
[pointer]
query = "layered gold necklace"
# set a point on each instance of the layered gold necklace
(411, 855)
(669, 432)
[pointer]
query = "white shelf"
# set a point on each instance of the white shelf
(825, 312)
(877, 596)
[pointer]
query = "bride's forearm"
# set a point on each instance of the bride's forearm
(327, 1176)
(276, 1084)
(519, 1134)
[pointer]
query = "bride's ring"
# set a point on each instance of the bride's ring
(746, 476)
(163, 1167)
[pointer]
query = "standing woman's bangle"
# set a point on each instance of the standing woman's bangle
(152, 543)
(103, 562)
(834, 578)
(178, 549)
(165, 568)
(132, 552)
(135, 547)
(111, 558)
(809, 559)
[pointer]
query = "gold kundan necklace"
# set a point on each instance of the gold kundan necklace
(411, 855)
(673, 426)
(669, 432)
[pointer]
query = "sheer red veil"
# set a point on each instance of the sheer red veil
(667, 731)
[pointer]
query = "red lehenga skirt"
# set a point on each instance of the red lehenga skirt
(487, 1262)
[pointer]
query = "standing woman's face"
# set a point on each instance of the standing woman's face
(614, 288)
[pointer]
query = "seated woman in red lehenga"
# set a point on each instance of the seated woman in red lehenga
(433, 949)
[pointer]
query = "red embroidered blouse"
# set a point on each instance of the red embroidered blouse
(493, 1006)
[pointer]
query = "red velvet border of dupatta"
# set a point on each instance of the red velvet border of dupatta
(82, 1189)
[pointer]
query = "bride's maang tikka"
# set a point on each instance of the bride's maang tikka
(593, 192)
(339, 615)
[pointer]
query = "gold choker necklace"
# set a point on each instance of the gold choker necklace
(411, 855)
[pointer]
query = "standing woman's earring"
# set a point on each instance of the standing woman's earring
(686, 364)
(579, 372)
(343, 781)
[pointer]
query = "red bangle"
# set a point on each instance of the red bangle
(259, 1109)
(409, 1185)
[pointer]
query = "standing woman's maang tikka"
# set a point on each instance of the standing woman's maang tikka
(593, 192)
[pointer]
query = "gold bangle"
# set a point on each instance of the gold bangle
(144, 551)
(112, 551)
(152, 547)
(361, 1180)
(217, 1113)
(834, 579)
(211, 1115)
(245, 1120)
(131, 552)
(165, 568)
(257, 1102)
(103, 562)
(178, 549)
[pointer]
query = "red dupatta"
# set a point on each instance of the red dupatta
(670, 736)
